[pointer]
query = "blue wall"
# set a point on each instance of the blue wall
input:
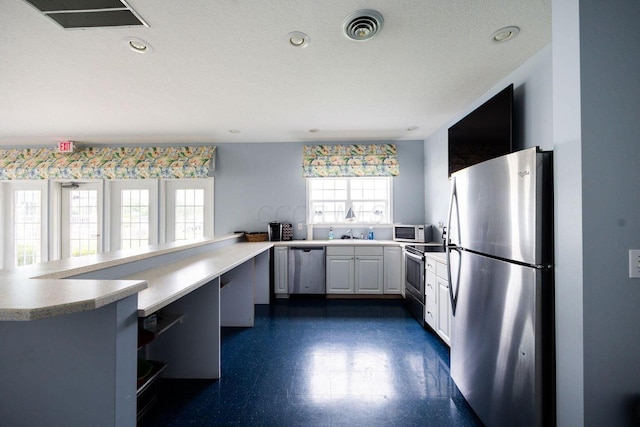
(262, 182)
(610, 135)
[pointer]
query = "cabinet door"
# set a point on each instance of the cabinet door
(369, 275)
(340, 274)
(444, 311)
(430, 303)
(392, 270)
(280, 270)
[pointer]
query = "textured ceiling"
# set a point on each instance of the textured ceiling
(227, 64)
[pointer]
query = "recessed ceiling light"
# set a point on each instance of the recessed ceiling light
(234, 130)
(298, 39)
(505, 34)
(137, 45)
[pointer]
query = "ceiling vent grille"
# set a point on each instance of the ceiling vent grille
(363, 24)
(72, 14)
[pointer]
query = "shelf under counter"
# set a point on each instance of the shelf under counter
(163, 322)
(146, 393)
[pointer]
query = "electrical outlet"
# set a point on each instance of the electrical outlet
(299, 226)
(634, 263)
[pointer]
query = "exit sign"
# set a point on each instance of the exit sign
(65, 146)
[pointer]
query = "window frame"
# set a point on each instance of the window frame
(113, 209)
(65, 215)
(7, 194)
(167, 208)
(311, 218)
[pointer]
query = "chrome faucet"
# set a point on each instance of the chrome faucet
(350, 233)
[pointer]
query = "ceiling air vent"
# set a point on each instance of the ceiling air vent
(89, 13)
(363, 24)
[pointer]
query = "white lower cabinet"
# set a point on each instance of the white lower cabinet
(430, 294)
(369, 278)
(280, 269)
(437, 302)
(355, 269)
(444, 311)
(392, 270)
(340, 274)
(350, 270)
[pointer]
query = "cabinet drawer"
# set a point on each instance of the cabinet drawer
(369, 250)
(430, 264)
(430, 313)
(430, 285)
(441, 270)
(340, 250)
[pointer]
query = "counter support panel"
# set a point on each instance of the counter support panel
(191, 349)
(71, 370)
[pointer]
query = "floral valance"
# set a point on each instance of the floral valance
(107, 163)
(350, 160)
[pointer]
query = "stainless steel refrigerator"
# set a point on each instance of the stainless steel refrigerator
(500, 257)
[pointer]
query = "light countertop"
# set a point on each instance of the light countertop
(170, 282)
(338, 242)
(47, 289)
(439, 256)
(34, 299)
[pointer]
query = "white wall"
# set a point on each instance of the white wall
(568, 215)
(263, 182)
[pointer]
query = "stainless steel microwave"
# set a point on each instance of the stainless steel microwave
(410, 233)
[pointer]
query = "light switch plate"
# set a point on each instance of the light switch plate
(634, 263)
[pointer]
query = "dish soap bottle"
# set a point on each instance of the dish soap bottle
(330, 233)
(370, 233)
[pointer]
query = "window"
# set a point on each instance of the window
(50, 219)
(81, 219)
(23, 217)
(330, 200)
(189, 214)
(134, 225)
(133, 219)
(189, 209)
(27, 227)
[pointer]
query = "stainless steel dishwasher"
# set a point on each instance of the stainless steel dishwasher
(306, 270)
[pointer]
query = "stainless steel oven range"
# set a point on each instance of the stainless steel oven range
(414, 281)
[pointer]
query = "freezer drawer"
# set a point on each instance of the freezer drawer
(504, 207)
(502, 340)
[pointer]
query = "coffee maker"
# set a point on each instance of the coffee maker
(280, 231)
(275, 231)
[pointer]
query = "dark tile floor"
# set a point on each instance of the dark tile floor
(322, 362)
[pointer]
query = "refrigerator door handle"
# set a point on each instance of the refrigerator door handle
(453, 203)
(453, 295)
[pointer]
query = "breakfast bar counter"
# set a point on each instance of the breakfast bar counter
(69, 328)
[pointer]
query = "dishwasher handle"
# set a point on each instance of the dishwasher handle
(307, 248)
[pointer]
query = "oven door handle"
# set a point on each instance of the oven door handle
(416, 257)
